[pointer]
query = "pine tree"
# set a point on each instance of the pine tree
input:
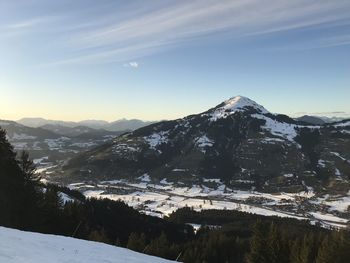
(136, 242)
(258, 245)
(295, 247)
(335, 248)
(274, 244)
(99, 236)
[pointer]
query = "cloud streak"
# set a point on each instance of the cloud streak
(162, 26)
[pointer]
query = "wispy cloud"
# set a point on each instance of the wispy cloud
(114, 36)
(24, 24)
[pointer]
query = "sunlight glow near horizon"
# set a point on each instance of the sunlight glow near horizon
(165, 60)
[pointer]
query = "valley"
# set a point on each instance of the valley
(235, 156)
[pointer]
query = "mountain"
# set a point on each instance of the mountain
(311, 120)
(52, 143)
(124, 124)
(238, 141)
(37, 122)
(79, 131)
(18, 131)
(20, 246)
(236, 155)
(96, 124)
(119, 125)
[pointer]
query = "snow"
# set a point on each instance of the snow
(328, 217)
(157, 139)
(22, 136)
(321, 163)
(123, 148)
(196, 227)
(39, 160)
(179, 170)
(336, 203)
(83, 144)
(28, 247)
(144, 178)
(271, 140)
(164, 181)
(65, 197)
(212, 180)
(19, 145)
(203, 142)
(338, 155)
(56, 144)
(236, 104)
(344, 124)
(337, 172)
(280, 129)
(345, 131)
(161, 200)
(244, 181)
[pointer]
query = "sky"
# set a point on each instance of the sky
(154, 60)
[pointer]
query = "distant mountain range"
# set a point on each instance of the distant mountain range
(311, 120)
(118, 125)
(314, 119)
(53, 143)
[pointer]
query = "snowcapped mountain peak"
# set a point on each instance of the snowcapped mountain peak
(235, 104)
(241, 102)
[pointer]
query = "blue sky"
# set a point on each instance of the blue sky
(152, 60)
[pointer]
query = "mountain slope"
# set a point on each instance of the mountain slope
(26, 247)
(79, 131)
(51, 144)
(238, 141)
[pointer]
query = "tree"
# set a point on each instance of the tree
(335, 248)
(136, 242)
(258, 245)
(99, 236)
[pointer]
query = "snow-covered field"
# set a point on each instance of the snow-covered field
(163, 198)
(28, 247)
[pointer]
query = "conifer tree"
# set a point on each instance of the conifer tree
(136, 242)
(258, 245)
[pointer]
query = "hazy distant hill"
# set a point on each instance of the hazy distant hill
(52, 143)
(311, 119)
(118, 125)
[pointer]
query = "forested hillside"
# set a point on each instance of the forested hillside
(226, 236)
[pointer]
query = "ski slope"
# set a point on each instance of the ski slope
(28, 247)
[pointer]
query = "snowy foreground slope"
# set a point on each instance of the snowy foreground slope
(20, 246)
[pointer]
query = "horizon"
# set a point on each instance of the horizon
(109, 60)
(337, 114)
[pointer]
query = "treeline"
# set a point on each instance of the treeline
(226, 236)
(27, 204)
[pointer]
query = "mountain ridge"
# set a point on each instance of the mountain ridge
(118, 125)
(237, 140)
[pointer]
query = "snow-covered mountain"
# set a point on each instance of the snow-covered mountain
(28, 247)
(238, 141)
(233, 154)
